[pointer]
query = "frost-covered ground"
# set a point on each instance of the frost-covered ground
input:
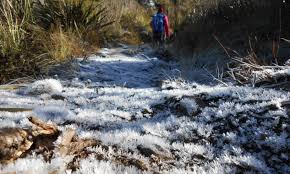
(149, 123)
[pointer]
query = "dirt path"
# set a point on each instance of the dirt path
(131, 116)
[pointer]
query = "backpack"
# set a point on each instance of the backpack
(158, 23)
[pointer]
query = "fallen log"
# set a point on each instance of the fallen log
(11, 87)
(40, 138)
(70, 147)
(41, 127)
(14, 142)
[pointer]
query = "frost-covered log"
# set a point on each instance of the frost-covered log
(13, 143)
(42, 128)
(71, 145)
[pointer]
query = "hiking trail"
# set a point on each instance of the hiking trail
(146, 119)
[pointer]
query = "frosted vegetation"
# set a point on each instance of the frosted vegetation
(148, 120)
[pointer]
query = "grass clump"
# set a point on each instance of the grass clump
(79, 15)
(19, 52)
(37, 34)
(131, 22)
(74, 25)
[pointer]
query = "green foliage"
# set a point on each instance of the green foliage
(81, 15)
(132, 21)
(35, 35)
(15, 57)
(15, 17)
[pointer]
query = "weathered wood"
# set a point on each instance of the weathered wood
(67, 137)
(42, 128)
(15, 141)
(77, 147)
(70, 147)
(14, 110)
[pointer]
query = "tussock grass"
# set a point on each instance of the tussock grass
(13, 24)
(132, 21)
(35, 35)
(63, 45)
(79, 15)
(19, 52)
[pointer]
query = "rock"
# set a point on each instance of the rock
(132, 162)
(147, 152)
(156, 152)
(57, 97)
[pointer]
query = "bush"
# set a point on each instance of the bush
(132, 21)
(73, 25)
(34, 35)
(13, 25)
(79, 15)
(20, 55)
(234, 22)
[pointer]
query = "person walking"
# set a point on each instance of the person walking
(160, 27)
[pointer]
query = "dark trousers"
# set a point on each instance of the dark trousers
(159, 39)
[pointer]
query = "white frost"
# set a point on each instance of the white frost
(47, 86)
(121, 101)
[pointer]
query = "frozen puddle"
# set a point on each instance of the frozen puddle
(146, 126)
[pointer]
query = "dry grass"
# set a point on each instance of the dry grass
(13, 24)
(232, 21)
(35, 35)
(19, 52)
(132, 21)
(62, 45)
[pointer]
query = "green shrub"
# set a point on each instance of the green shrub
(15, 17)
(79, 15)
(20, 55)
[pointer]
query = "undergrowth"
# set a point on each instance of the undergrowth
(132, 22)
(233, 29)
(35, 35)
(234, 22)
